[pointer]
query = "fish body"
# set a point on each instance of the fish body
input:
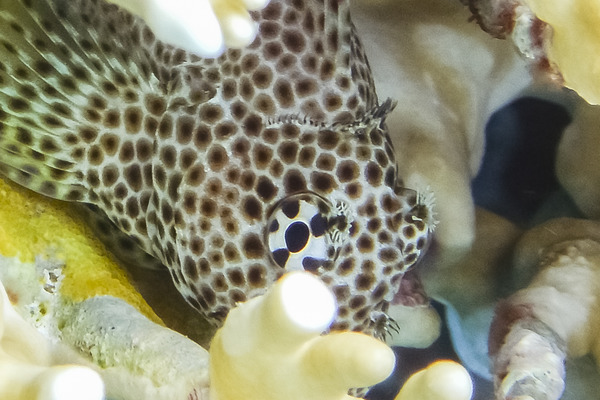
(230, 171)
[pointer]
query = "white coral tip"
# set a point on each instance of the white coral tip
(70, 383)
(189, 24)
(442, 380)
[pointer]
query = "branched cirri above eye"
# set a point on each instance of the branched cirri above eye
(297, 233)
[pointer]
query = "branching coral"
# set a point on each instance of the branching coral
(204, 27)
(554, 317)
(27, 371)
(280, 354)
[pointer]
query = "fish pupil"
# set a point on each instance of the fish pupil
(296, 236)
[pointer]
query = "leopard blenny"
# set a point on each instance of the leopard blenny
(230, 171)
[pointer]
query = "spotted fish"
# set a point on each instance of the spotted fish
(229, 171)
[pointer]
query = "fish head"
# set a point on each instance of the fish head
(355, 225)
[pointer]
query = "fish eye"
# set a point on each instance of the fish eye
(297, 233)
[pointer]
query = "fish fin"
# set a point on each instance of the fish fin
(65, 66)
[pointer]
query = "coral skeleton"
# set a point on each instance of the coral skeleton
(554, 317)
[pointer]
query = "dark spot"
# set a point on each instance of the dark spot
(92, 115)
(235, 275)
(347, 171)
(364, 281)
(318, 225)
(168, 156)
(290, 208)
(284, 94)
(249, 62)
(306, 87)
(110, 174)
(189, 269)
(294, 181)
(373, 173)
(274, 226)
(127, 152)
(390, 177)
(306, 156)
(265, 188)
(246, 89)
(322, 182)
(132, 207)
(363, 153)
(18, 104)
(346, 267)
(262, 77)
(280, 256)
(202, 136)
(272, 50)
(133, 119)
(156, 105)
(208, 207)
(253, 246)
(120, 191)
(143, 149)
(110, 143)
(409, 232)
(271, 135)
(225, 130)
(328, 139)
(325, 162)
(262, 156)
(312, 264)
(388, 255)
(189, 202)
(173, 186)
(197, 245)
(48, 188)
(252, 208)
(187, 158)
(357, 302)
(247, 180)
(43, 67)
(264, 104)
(287, 151)
(293, 40)
(48, 145)
(256, 276)
(211, 113)
(365, 244)
(133, 176)
(217, 157)
(95, 155)
(354, 190)
(252, 125)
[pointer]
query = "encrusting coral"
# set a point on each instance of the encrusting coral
(204, 27)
